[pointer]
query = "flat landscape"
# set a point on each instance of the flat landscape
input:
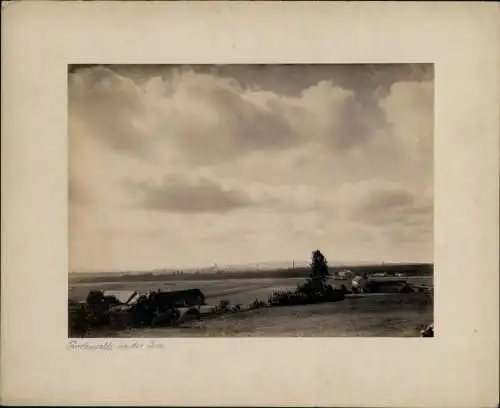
(380, 315)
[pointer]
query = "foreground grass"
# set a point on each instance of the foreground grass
(396, 315)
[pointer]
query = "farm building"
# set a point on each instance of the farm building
(190, 297)
(343, 274)
(157, 308)
(358, 283)
(122, 296)
(380, 285)
(387, 286)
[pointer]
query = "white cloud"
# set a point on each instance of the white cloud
(409, 109)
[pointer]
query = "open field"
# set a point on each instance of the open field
(389, 315)
(235, 290)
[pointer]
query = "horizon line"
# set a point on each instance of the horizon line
(254, 265)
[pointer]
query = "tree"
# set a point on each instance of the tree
(95, 297)
(316, 282)
(319, 267)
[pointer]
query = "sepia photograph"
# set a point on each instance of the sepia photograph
(284, 215)
(251, 200)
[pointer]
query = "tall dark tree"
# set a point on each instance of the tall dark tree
(319, 267)
(317, 280)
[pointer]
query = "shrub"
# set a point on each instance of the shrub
(78, 322)
(314, 290)
(297, 297)
(223, 304)
(257, 304)
(95, 297)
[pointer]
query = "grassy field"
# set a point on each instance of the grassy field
(391, 315)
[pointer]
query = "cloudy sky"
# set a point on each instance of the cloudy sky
(184, 166)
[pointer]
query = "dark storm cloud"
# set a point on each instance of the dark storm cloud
(390, 205)
(361, 78)
(250, 126)
(110, 105)
(239, 125)
(215, 113)
(208, 118)
(356, 125)
(182, 196)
